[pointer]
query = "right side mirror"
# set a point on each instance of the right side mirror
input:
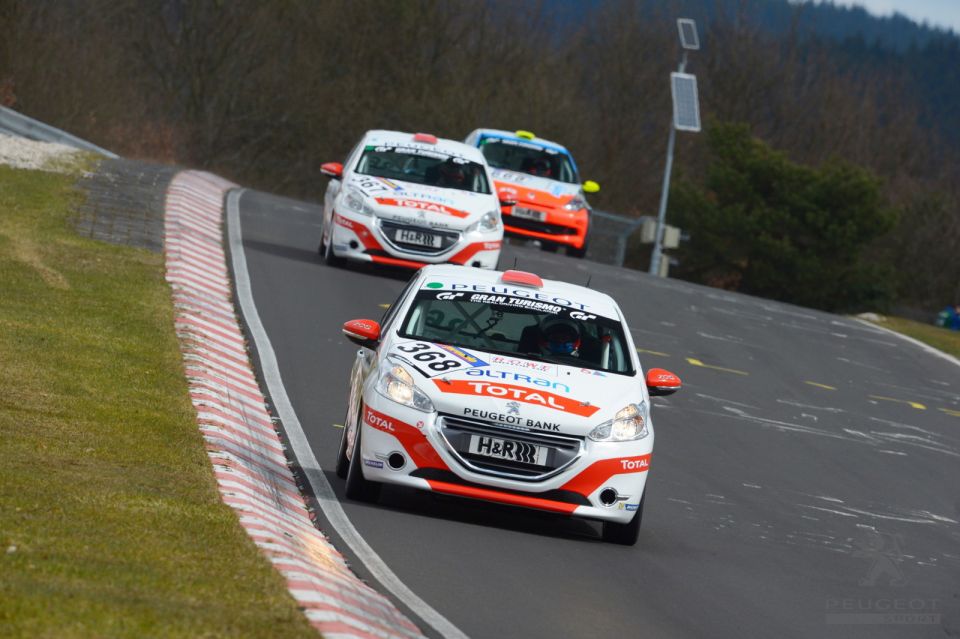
(362, 332)
(591, 187)
(662, 382)
(332, 169)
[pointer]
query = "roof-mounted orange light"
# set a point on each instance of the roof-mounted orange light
(522, 278)
(426, 138)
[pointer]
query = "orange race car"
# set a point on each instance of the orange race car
(542, 178)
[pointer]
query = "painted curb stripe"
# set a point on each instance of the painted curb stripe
(245, 451)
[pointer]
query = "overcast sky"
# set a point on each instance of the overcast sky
(938, 13)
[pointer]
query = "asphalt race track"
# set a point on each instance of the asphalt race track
(805, 481)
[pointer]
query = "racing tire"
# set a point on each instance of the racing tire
(360, 488)
(624, 534)
(581, 252)
(329, 257)
(343, 464)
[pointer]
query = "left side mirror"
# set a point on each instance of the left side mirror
(591, 187)
(362, 332)
(332, 169)
(662, 382)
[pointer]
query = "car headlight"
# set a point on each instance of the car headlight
(354, 202)
(396, 384)
(489, 222)
(628, 424)
(576, 203)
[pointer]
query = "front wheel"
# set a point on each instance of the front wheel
(624, 534)
(359, 487)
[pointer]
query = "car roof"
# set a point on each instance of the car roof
(592, 300)
(512, 135)
(380, 137)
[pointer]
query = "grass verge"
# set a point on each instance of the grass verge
(942, 339)
(110, 519)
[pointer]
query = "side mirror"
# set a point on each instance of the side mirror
(662, 382)
(332, 169)
(591, 187)
(362, 332)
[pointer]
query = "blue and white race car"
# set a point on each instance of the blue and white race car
(503, 387)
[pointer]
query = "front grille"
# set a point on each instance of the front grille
(562, 450)
(539, 227)
(390, 229)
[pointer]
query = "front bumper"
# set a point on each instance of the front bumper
(361, 238)
(428, 463)
(559, 226)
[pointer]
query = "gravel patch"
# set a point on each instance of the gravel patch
(22, 153)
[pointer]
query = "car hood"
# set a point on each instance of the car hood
(526, 393)
(533, 189)
(423, 205)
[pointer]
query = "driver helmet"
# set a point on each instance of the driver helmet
(540, 167)
(559, 336)
(452, 173)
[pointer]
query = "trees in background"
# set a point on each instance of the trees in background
(264, 92)
(771, 227)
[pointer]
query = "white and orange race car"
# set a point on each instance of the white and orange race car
(507, 388)
(406, 199)
(542, 178)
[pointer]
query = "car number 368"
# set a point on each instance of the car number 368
(431, 360)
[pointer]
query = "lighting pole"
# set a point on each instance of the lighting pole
(686, 117)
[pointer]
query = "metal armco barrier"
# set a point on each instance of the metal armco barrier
(17, 124)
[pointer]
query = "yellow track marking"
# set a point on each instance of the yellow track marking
(643, 350)
(338, 425)
(697, 362)
(384, 306)
(821, 385)
(916, 405)
(955, 413)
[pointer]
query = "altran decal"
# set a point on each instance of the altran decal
(511, 392)
(520, 377)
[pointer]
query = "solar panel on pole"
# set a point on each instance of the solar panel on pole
(686, 105)
(689, 38)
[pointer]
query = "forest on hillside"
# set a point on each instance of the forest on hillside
(263, 92)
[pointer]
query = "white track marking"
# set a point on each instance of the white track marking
(301, 447)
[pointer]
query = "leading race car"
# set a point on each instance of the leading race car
(503, 387)
(542, 178)
(407, 199)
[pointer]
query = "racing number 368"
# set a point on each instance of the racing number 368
(425, 353)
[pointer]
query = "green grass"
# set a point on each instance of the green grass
(942, 339)
(110, 520)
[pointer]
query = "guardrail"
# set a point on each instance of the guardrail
(26, 127)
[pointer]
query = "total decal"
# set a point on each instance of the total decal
(524, 394)
(420, 205)
(508, 294)
(431, 360)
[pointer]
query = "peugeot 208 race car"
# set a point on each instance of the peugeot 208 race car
(507, 388)
(407, 199)
(542, 178)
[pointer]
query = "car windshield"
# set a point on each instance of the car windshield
(526, 157)
(519, 326)
(431, 168)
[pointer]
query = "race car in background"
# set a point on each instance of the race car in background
(507, 388)
(543, 178)
(406, 199)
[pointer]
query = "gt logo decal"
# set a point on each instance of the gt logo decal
(577, 315)
(423, 206)
(518, 393)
